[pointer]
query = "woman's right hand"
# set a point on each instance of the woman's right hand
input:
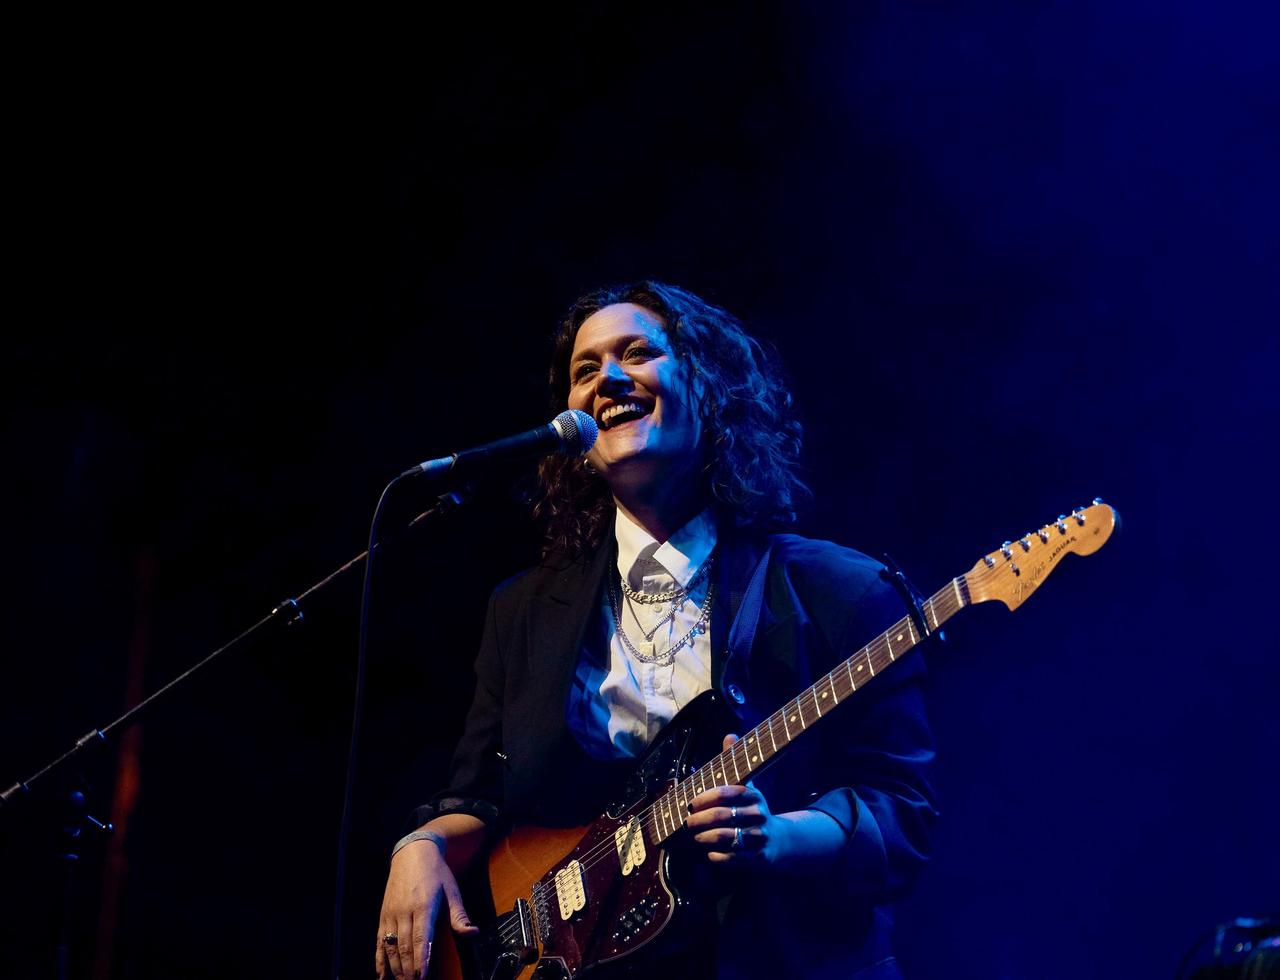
(419, 881)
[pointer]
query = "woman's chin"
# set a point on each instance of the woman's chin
(644, 470)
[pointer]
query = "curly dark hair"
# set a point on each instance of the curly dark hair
(751, 472)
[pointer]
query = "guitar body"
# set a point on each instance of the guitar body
(633, 903)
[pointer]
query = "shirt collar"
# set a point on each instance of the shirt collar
(682, 554)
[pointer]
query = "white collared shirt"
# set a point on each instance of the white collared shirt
(617, 702)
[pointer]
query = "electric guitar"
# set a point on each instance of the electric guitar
(590, 899)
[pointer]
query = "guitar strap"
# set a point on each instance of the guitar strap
(743, 631)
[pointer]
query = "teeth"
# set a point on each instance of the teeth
(613, 411)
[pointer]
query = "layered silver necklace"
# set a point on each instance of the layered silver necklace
(620, 592)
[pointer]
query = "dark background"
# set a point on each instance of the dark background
(1012, 256)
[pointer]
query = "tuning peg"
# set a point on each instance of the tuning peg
(1044, 534)
(1078, 514)
(1004, 549)
(1016, 569)
(1025, 542)
(991, 562)
(1061, 524)
(1097, 500)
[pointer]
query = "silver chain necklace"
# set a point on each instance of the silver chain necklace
(667, 657)
(678, 594)
(678, 598)
(649, 634)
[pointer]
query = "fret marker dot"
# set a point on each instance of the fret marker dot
(824, 694)
(753, 758)
(793, 717)
(751, 739)
(859, 666)
(899, 636)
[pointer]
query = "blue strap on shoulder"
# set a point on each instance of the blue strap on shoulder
(743, 631)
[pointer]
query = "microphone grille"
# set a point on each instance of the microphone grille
(577, 429)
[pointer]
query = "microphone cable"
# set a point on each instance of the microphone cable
(344, 831)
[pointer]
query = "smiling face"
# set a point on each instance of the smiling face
(624, 374)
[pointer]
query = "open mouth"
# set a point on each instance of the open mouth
(622, 413)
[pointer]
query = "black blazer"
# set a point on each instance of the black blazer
(866, 767)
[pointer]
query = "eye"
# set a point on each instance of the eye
(582, 371)
(641, 351)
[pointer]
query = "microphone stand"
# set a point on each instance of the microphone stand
(76, 819)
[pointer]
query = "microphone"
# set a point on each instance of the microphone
(572, 432)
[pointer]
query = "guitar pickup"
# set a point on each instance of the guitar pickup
(571, 890)
(634, 857)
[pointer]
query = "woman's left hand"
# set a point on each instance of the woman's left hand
(734, 824)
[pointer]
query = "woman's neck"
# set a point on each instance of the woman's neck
(661, 518)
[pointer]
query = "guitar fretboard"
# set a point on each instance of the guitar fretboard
(754, 750)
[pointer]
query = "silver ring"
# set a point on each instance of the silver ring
(733, 813)
(737, 838)
(391, 939)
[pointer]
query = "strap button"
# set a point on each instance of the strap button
(735, 692)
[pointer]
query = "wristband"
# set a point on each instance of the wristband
(419, 835)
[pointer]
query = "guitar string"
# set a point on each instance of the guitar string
(592, 858)
(606, 849)
(944, 597)
(650, 814)
(807, 703)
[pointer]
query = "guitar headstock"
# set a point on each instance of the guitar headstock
(1012, 572)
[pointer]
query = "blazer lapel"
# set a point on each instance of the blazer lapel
(558, 620)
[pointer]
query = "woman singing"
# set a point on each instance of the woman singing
(652, 541)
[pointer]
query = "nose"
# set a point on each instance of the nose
(613, 377)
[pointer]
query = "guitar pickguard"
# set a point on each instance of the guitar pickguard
(615, 895)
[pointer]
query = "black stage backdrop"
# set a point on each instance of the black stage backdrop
(1013, 257)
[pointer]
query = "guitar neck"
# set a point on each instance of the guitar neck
(592, 906)
(758, 747)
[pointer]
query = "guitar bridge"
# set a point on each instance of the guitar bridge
(518, 948)
(525, 945)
